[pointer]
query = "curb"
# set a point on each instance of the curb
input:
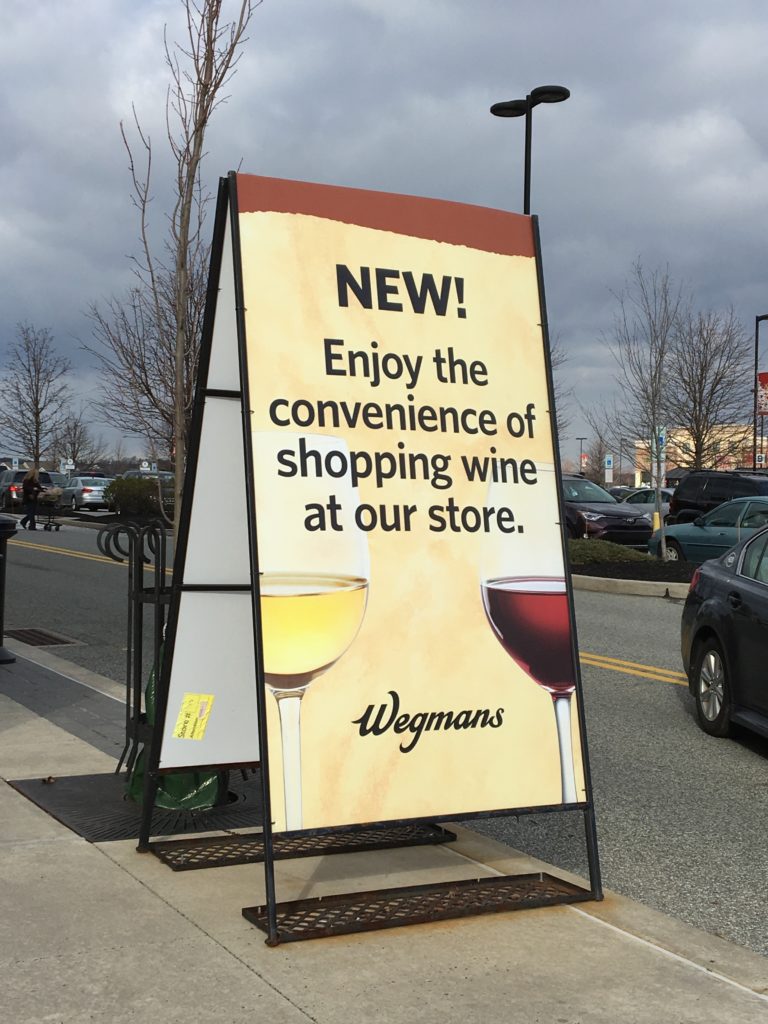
(635, 588)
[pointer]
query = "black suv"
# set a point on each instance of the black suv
(704, 489)
(604, 517)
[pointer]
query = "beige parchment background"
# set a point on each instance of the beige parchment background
(425, 633)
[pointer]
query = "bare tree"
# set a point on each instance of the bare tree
(606, 425)
(641, 343)
(596, 453)
(148, 343)
(74, 441)
(35, 392)
(563, 393)
(708, 388)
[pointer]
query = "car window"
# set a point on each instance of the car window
(580, 490)
(92, 481)
(755, 563)
(725, 515)
(640, 498)
(689, 490)
(718, 489)
(756, 515)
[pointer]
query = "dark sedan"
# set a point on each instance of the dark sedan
(724, 639)
(604, 517)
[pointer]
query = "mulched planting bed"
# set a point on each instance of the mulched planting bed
(651, 569)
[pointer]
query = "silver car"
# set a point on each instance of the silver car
(644, 500)
(85, 492)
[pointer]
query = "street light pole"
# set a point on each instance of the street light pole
(758, 320)
(520, 108)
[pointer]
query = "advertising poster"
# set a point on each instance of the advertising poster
(762, 394)
(416, 632)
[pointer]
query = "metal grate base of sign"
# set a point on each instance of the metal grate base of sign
(222, 851)
(349, 913)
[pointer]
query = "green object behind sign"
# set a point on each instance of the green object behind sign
(177, 791)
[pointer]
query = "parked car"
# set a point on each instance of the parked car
(619, 491)
(11, 494)
(604, 517)
(575, 524)
(58, 479)
(84, 492)
(704, 489)
(167, 484)
(715, 533)
(644, 500)
(724, 639)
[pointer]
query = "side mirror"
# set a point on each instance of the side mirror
(698, 521)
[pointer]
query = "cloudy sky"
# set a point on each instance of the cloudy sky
(660, 153)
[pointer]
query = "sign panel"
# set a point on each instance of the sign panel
(210, 679)
(417, 635)
(762, 394)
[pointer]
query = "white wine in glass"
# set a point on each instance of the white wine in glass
(313, 584)
(526, 602)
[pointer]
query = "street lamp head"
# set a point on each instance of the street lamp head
(524, 108)
(510, 108)
(549, 94)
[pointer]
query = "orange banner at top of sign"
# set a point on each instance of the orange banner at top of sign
(478, 227)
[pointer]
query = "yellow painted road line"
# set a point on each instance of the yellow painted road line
(611, 661)
(63, 551)
(642, 671)
(76, 554)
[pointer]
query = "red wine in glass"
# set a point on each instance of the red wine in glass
(529, 615)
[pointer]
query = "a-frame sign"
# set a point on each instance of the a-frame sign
(370, 593)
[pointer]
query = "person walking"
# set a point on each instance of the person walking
(30, 487)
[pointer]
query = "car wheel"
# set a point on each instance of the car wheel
(712, 690)
(74, 504)
(674, 551)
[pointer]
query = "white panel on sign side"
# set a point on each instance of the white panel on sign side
(213, 675)
(224, 367)
(217, 548)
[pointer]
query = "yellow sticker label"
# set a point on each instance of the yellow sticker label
(193, 716)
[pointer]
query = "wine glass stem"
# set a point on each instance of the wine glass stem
(563, 719)
(289, 707)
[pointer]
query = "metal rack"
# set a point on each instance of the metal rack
(143, 547)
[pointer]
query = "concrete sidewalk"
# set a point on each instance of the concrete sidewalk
(100, 933)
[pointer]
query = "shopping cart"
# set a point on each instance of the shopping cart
(49, 508)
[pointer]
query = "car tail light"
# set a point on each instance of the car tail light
(694, 579)
(87, 490)
(14, 488)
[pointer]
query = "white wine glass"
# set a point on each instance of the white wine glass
(522, 582)
(313, 576)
